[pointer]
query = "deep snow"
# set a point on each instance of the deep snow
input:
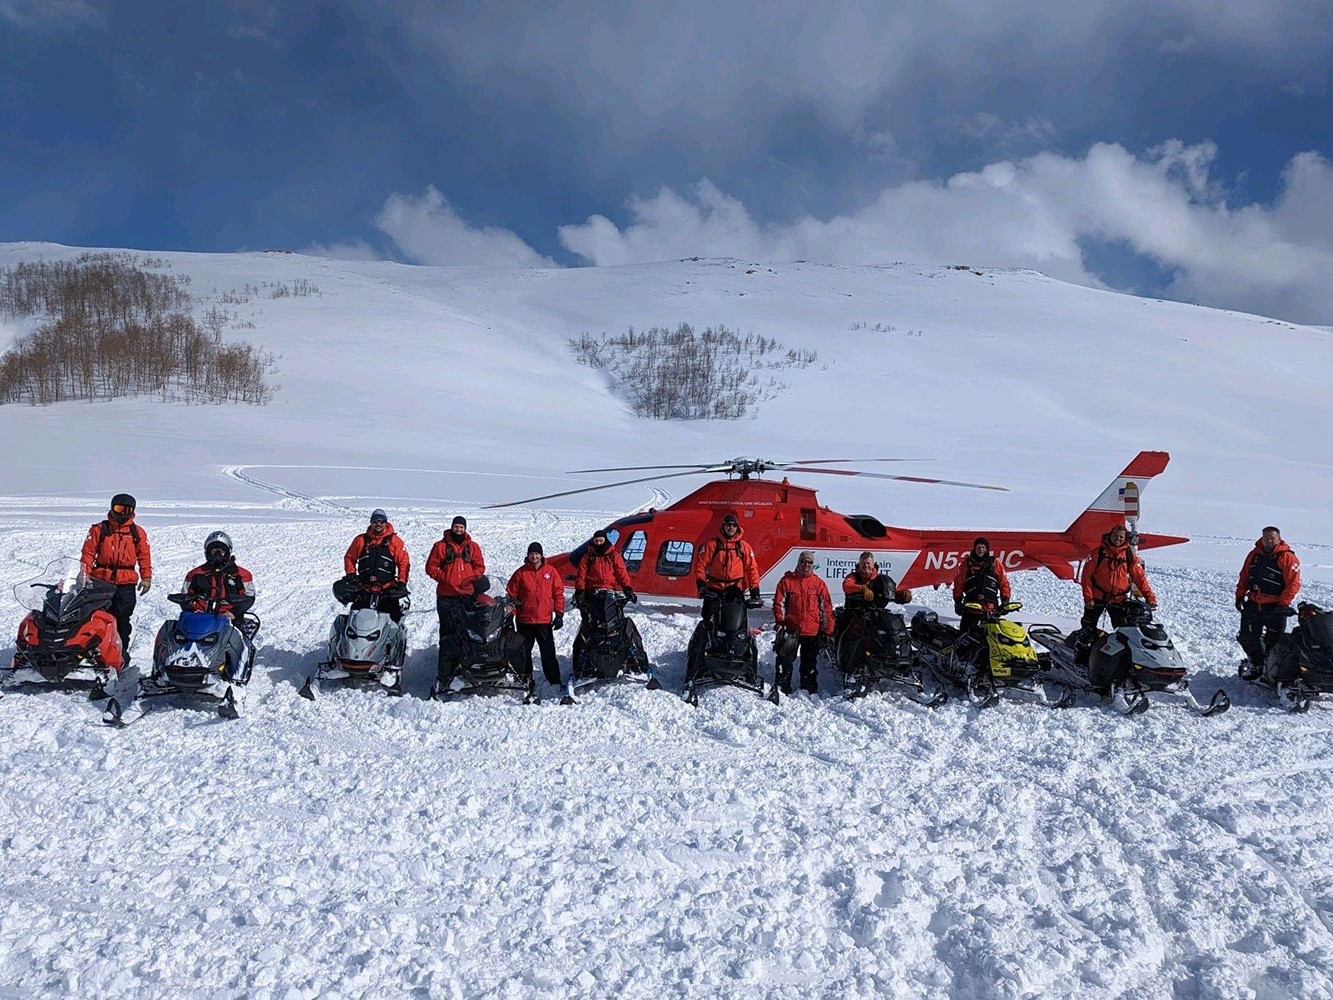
(631, 845)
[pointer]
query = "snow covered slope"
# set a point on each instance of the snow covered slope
(631, 845)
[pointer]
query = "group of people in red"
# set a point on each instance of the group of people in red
(117, 551)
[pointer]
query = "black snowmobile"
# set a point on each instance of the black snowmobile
(1299, 667)
(69, 639)
(1126, 664)
(874, 650)
(489, 646)
(994, 659)
(723, 651)
(608, 644)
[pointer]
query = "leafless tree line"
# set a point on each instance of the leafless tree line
(684, 374)
(112, 328)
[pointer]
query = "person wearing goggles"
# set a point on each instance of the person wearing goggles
(116, 550)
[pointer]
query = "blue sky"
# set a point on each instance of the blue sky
(1174, 147)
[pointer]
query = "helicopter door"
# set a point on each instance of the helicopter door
(808, 523)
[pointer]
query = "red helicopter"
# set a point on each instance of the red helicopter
(780, 519)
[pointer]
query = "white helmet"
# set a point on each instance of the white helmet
(215, 539)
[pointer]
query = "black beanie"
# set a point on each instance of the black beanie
(460, 519)
(981, 540)
(124, 500)
(537, 548)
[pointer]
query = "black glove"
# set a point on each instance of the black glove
(558, 622)
(630, 596)
(1240, 604)
(754, 599)
(701, 587)
(958, 608)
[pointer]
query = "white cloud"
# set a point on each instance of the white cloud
(1036, 212)
(53, 15)
(724, 73)
(428, 230)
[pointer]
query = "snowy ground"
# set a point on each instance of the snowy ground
(631, 845)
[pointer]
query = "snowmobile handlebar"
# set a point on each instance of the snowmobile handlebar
(187, 601)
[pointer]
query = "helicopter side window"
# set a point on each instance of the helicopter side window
(675, 558)
(634, 549)
(808, 523)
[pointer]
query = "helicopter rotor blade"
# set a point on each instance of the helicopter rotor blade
(590, 489)
(905, 479)
(641, 468)
(843, 461)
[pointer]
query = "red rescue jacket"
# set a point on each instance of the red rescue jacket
(727, 562)
(602, 570)
(802, 604)
(376, 575)
(453, 565)
(111, 551)
(231, 585)
(1108, 573)
(1275, 580)
(539, 591)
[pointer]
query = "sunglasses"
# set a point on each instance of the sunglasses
(120, 508)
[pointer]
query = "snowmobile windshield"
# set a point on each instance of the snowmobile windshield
(57, 586)
(1320, 629)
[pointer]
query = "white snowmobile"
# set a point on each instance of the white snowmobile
(365, 644)
(203, 654)
(1126, 664)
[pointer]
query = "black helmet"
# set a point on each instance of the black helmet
(122, 507)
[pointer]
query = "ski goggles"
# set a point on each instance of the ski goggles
(121, 508)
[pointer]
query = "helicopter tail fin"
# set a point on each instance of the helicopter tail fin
(1119, 502)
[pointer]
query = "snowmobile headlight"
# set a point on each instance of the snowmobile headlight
(210, 640)
(351, 632)
(372, 636)
(179, 636)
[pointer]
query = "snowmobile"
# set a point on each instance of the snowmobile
(874, 649)
(608, 644)
(365, 644)
(489, 646)
(993, 659)
(1299, 667)
(203, 654)
(723, 651)
(1126, 664)
(69, 639)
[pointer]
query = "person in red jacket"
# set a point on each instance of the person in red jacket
(1108, 574)
(602, 568)
(803, 610)
(1270, 579)
(726, 560)
(111, 552)
(222, 586)
(540, 595)
(378, 563)
(454, 563)
(981, 579)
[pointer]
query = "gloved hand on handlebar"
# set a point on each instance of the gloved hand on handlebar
(1240, 603)
(630, 596)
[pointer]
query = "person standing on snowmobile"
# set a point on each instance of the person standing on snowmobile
(112, 550)
(455, 562)
(726, 560)
(540, 595)
(1270, 579)
(981, 579)
(378, 564)
(1107, 578)
(602, 568)
(803, 611)
(222, 586)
